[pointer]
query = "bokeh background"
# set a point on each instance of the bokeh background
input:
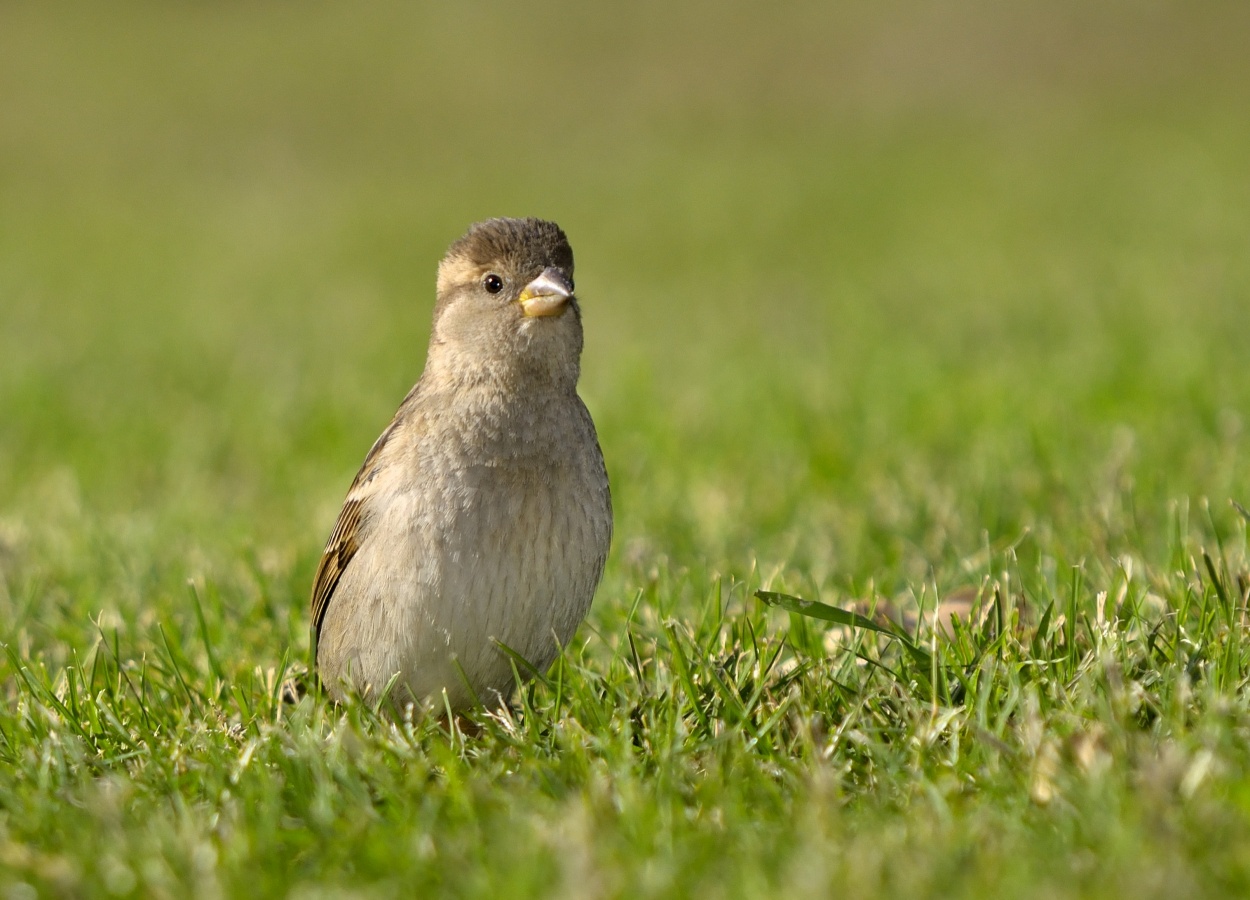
(867, 286)
(885, 301)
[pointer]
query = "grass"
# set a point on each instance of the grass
(885, 308)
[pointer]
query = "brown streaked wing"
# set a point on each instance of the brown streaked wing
(344, 540)
(339, 551)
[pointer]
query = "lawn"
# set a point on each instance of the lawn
(889, 307)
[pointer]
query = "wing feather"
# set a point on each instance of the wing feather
(348, 529)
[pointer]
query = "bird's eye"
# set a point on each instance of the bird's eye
(493, 283)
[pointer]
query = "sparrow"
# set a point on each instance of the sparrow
(482, 516)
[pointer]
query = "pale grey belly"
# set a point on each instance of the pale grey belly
(445, 577)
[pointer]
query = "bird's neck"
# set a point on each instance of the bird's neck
(512, 378)
(511, 416)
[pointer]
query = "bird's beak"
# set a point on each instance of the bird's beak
(547, 294)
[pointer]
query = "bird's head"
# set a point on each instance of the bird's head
(505, 304)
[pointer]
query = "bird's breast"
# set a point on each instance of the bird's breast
(511, 534)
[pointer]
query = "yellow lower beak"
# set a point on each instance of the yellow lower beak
(546, 295)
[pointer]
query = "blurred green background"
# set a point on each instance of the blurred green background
(865, 284)
(880, 298)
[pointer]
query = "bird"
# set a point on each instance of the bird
(479, 524)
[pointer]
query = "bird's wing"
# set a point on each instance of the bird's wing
(345, 539)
